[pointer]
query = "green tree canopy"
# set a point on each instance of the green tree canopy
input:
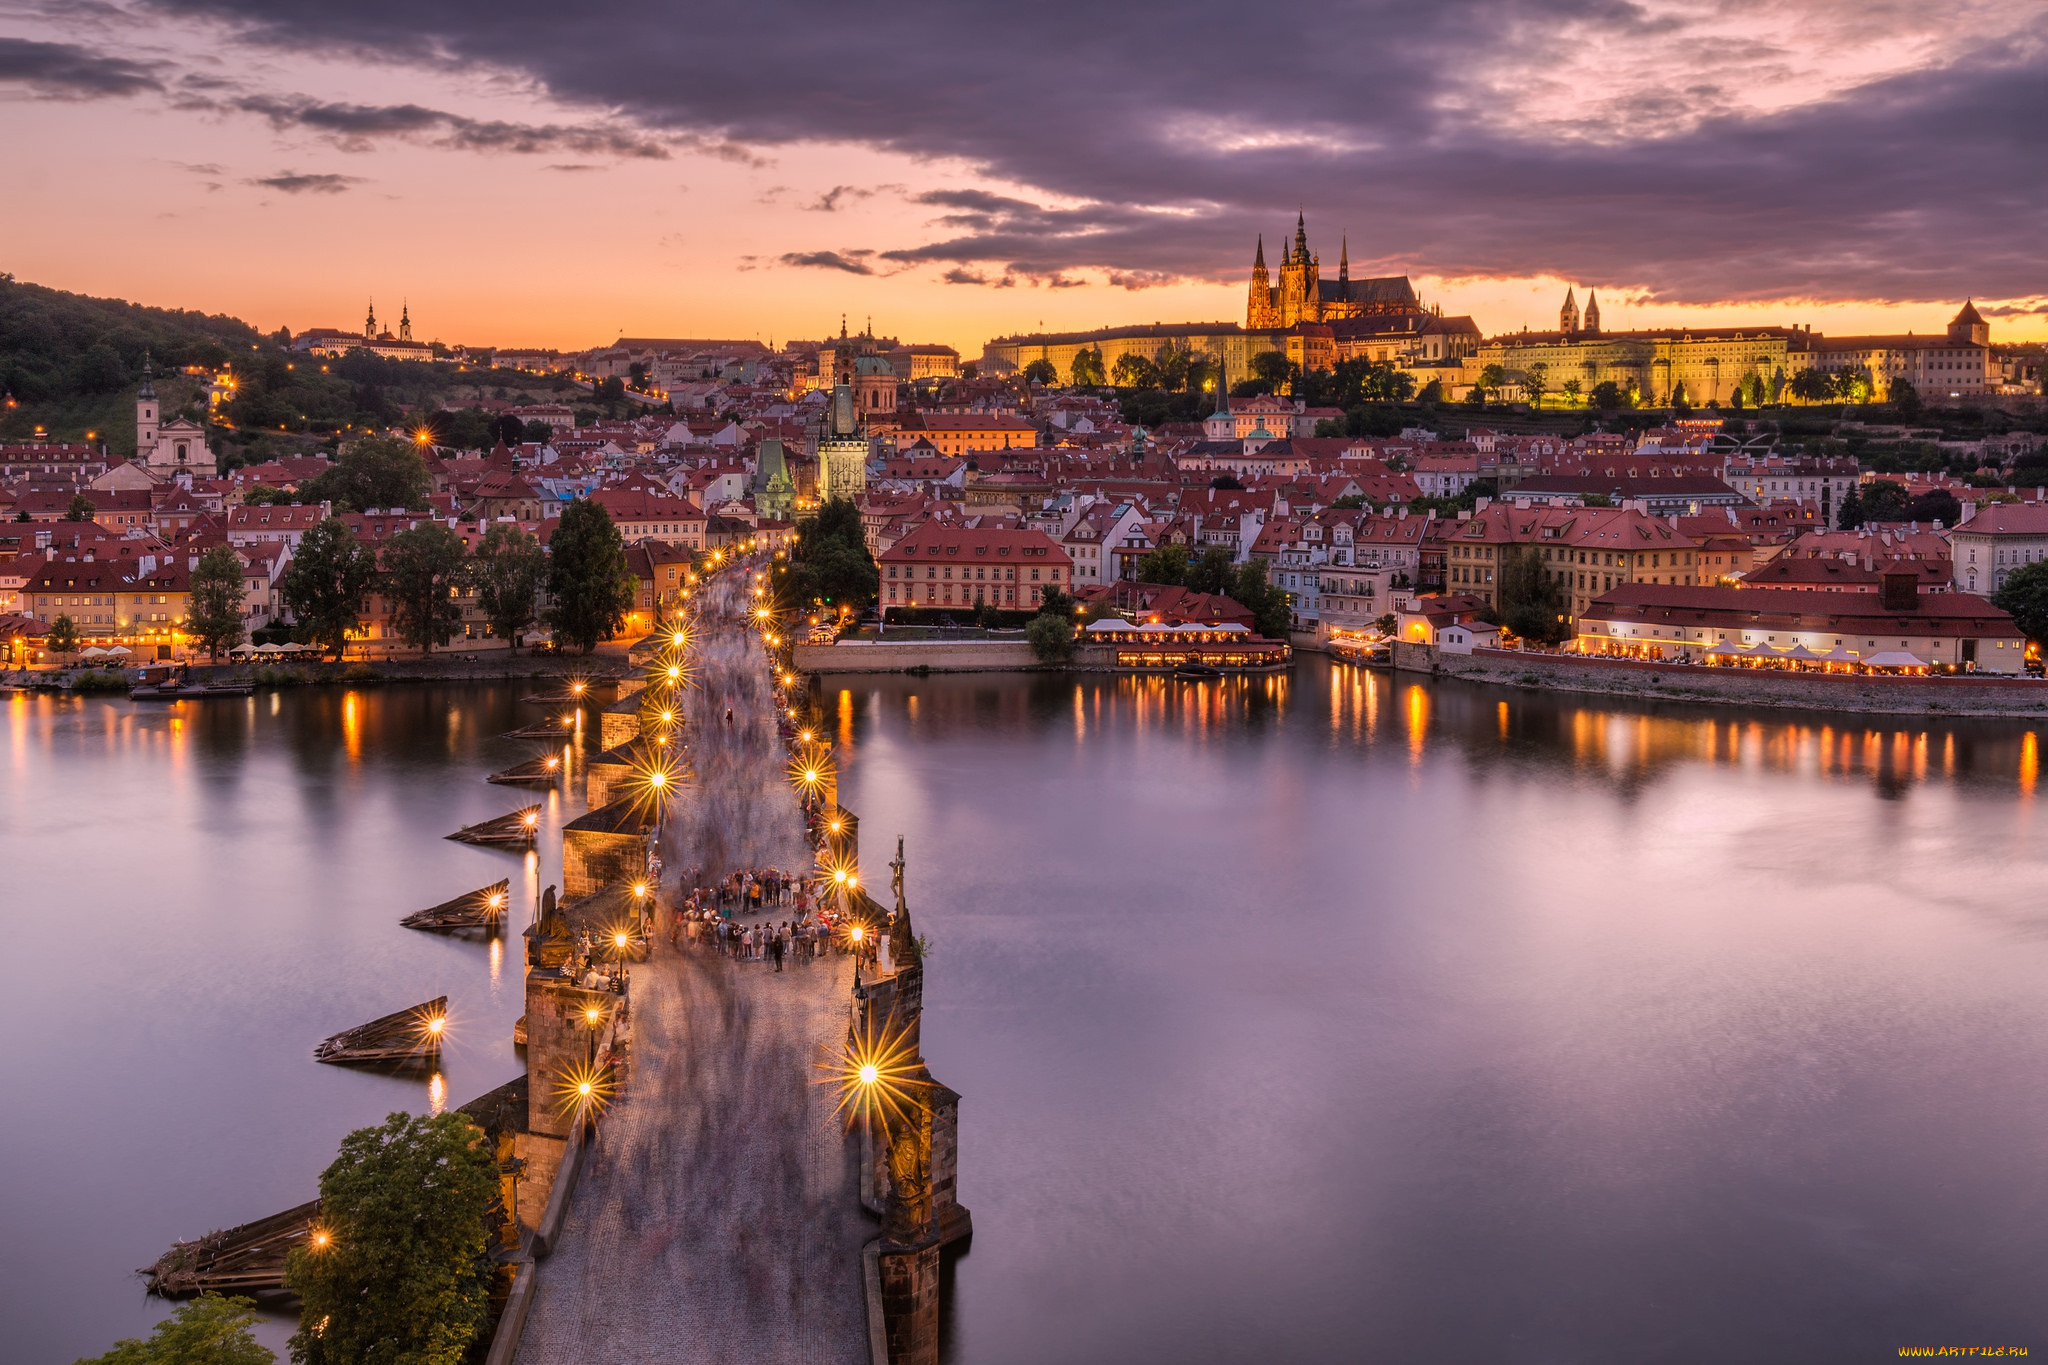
(213, 613)
(1532, 604)
(423, 569)
(588, 577)
(1272, 617)
(831, 559)
(63, 636)
(508, 571)
(1167, 564)
(325, 582)
(1212, 572)
(1051, 638)
(208, 1330)
(1087, 368)
(404, 1277)
(1042, 371)
(81, 508)
(1134, 371)
(1608, 396)
(1271, 366)
(376, 471)
(2024, 595)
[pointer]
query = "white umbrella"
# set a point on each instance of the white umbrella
(1840, 655)
(1726, 648)
(1800, 652)
(291, 647)
(243, 649)
(1895, 658)
(92, 652)
(118, 649)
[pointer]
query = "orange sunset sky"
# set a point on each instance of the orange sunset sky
(519, 178)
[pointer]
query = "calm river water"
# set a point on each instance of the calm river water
(1328, 1017)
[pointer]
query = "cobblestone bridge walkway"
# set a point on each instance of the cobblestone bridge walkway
(719, 1217)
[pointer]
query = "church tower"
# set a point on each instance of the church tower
(1568, 316)
(370, 323)
(1969, 328)
(1592, 314)
(1344, 269)
(1300, 295)
(147, 414)
(1259, 311)
(405, 322)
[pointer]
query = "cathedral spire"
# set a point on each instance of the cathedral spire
(1259, 256)
(1568, 316)
(1592, 323)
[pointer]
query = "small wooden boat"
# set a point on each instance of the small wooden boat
(1196, 670)
(544, 771)
(240, 1260)
(412, 1035)
(514, 830)
(483, 908)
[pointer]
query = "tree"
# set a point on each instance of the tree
(81, 508)
(1330, 426)
(508, 429)
(213, 612)
(404, 1276)
(1936, 504)
(1535, 382)
(208, 1330)
(507, 572)
(1212, 573)
(1905, 399)
(1051, 638)
(423, 569)
(376, 471)
(2024, 595)
(63, 636)
(1053, 602)
(538, 432)
(1167, 564)
(1042, 371)
(325, 581)
(1608, 396)
(1386, 623)
(1532, 603)
(1493, 379)
(1878, 500)
(1571, 390)
(1271, 614)
(1087, 368)
(588, 577)
(1134, 371)
(1813, 386)
(832, 562)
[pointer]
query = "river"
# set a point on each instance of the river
(1322, 1017)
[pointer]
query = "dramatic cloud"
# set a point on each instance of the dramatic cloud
(291, 182)
(852, 262)
(61, 71)
(357, 127)
(1717, 149)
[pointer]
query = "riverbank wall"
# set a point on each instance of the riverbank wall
(906, 656)
(1717, 686)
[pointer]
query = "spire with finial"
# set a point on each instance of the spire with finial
(148, 389)
(1259, 255)
(1592, 321)
(370, 323)
(405, 321)
(1568, 316)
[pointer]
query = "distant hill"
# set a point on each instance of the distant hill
(55, 345)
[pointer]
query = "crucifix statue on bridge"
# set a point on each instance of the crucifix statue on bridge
(896, 873)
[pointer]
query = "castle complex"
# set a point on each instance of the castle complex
(1304, 296)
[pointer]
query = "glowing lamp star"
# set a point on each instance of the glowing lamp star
(869, 1074)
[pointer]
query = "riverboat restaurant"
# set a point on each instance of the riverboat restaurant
(1947, 632)
(1154, 644)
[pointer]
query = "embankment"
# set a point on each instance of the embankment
(1962, 696)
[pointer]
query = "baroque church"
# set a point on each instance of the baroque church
(1302, 295)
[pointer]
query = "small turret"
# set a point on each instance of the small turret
(1568, 316)
(1592, 322)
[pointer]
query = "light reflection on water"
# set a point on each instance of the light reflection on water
(222, 883)
(1296, 1017)
(1355, 1014)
